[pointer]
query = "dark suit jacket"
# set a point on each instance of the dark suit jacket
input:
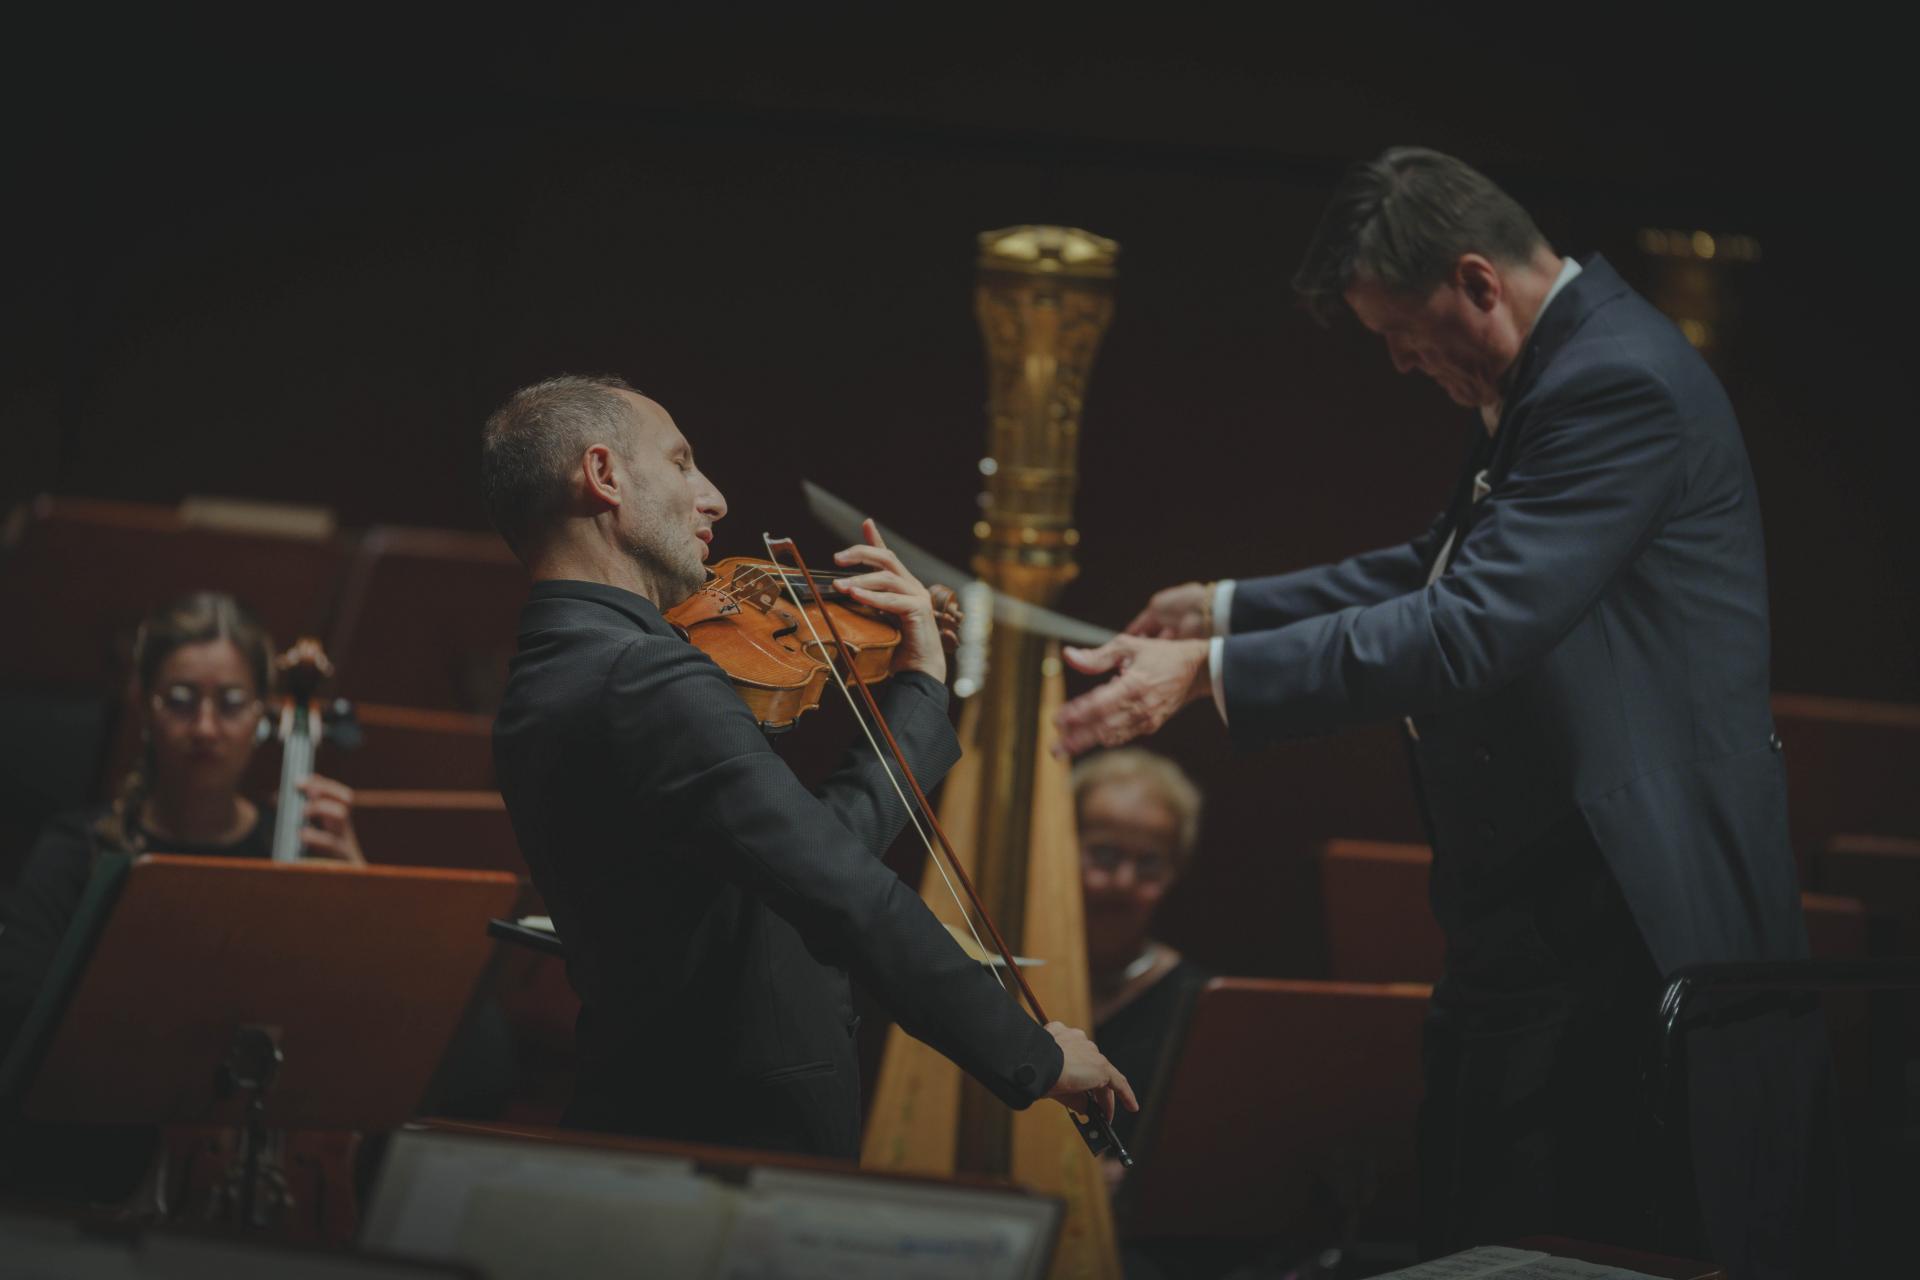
(1597, 646)
(711, 906)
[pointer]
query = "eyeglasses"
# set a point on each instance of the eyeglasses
(1148, 867)
(182, 702)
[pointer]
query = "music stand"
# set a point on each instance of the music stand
(340, 986)
(275, 995)
(1272, 1094)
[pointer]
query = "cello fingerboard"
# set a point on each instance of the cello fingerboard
(297, 766)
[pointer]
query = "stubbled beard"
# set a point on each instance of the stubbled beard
(669, 560)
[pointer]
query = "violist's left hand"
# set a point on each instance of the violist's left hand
(328, 832)
(888, 586)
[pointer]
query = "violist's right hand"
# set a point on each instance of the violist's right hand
(1084, 1067)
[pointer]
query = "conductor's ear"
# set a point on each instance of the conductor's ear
(1480, 280)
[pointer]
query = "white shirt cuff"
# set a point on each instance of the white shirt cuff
(1222, 606)
(1216, 668)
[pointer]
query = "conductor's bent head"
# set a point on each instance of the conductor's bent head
(586, 478)
(1437, 260)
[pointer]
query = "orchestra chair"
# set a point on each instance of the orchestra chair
(98, 566)
(1852, 766)
(427, 618)
(414, 748)
(432, 828)
(1883, 873)
(1379, 927)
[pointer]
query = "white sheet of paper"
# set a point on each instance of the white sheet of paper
(518, 1233)
(788, 1236)
(1497, 1261)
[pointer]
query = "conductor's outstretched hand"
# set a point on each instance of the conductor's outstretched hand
(1152, 679)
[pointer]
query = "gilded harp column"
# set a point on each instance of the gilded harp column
(1044, 297)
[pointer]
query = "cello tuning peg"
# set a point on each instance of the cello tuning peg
(342, 728)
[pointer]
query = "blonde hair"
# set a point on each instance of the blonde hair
(1167, 779)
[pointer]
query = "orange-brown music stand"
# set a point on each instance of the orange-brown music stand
(1277, 1094)
(358, 975)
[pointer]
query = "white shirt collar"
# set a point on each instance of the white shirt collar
(1490, 413)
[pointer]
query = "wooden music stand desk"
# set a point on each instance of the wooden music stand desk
(358, 975)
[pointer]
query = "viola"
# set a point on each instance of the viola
(748, 618)
(808, 613)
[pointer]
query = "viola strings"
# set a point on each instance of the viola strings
(886, 767)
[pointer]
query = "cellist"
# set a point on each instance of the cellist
(712, 907)
(203, 671)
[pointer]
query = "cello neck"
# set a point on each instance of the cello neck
(302, 668)
(296, 766)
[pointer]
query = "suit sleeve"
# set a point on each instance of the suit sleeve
(1263, 604)
(858, 792)
(1601, 470)
(712, 785)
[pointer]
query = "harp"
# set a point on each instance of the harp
(1044, 296)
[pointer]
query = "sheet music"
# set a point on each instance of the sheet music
(792, 1237)
(676, 1224)
(538, 1211)
(790, 1226)
(1492, 1261)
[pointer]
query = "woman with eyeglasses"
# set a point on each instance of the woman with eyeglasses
(1138, 818)
(204, 671)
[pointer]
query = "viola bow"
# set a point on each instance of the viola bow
(1094, 1127)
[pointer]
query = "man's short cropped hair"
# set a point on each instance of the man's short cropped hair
(532, 443)
(1403, 220)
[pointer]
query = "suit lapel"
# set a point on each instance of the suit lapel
(1596, 285)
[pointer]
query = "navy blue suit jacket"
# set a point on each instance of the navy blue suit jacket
(1598, 642)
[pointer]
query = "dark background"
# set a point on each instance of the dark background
(301, 257)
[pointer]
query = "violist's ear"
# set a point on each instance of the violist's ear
(599, 472)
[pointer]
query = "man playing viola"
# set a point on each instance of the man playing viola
(712, 907)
